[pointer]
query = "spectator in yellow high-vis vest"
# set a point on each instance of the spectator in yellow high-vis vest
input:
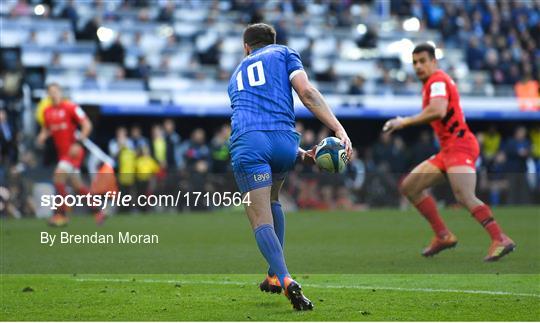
(42, 105)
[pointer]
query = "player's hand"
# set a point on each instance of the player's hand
(393, 125)
(40, 140)
(307, 157)
(342, 135)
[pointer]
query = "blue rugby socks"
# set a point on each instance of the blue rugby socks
(279, 222)
(270, 247)
(279, 226)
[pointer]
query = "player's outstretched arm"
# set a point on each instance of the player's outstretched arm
(42, 137)
(86, 128)
(435, 110)
(315, 102)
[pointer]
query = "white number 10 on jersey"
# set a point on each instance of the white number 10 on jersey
(251, 76)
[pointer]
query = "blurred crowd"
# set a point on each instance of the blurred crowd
(498, 40)
(501, 37)
(164, 163)
(509, 167)
(161, 162)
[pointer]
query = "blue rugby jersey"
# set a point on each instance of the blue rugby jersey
(260, 90)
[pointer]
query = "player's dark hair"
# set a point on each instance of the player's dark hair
(259, 35)
(425, 47)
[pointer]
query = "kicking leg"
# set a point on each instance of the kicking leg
(463, 182)
(414, 187)
(260, 216)
(277, 212)
(271, 283)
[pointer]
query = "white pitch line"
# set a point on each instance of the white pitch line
(403, 289)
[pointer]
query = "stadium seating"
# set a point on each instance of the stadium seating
(173, 48)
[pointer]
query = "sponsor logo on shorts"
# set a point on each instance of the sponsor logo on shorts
(261, 177)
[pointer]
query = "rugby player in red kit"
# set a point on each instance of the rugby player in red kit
(61, 121)
(456, 160)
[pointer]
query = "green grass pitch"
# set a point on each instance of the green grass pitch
(361, 266)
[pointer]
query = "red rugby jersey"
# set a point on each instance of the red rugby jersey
(452, 128)
(62, 121)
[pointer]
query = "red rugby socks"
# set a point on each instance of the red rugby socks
(61, 190)
(428, 208)
(483, 215)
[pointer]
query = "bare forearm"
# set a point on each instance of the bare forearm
(426, 116)
(436, 110)
(42, 136)
(315, 102)
(44, 133)
(86, 129)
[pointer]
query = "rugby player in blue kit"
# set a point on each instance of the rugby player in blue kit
(264, 143)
